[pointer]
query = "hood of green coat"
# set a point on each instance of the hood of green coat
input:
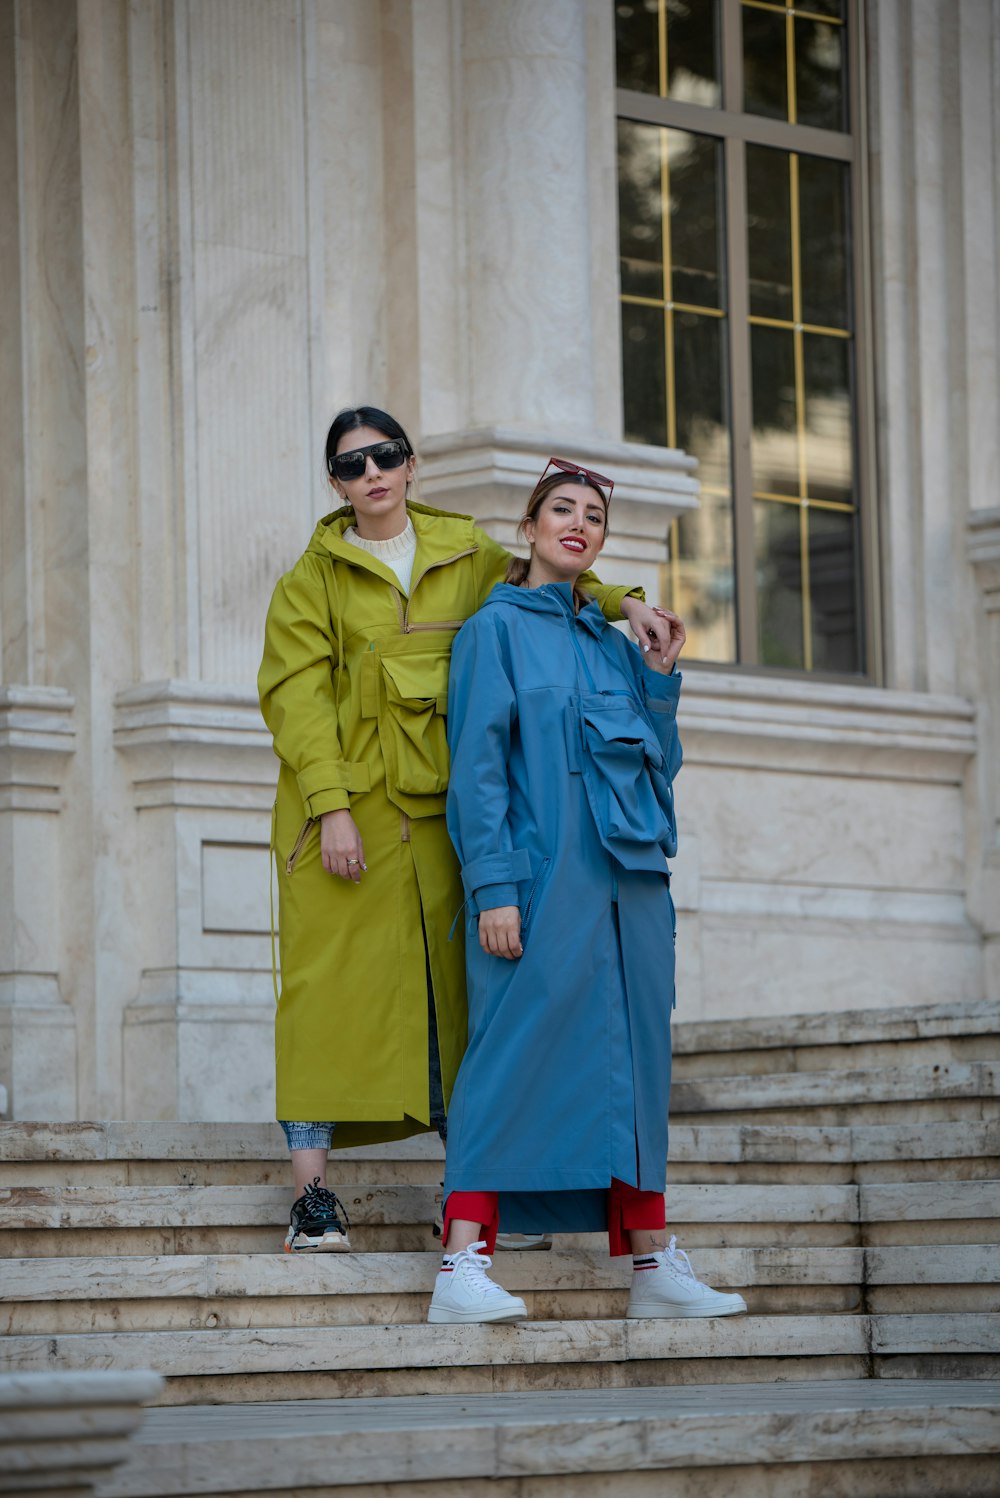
(440, 533)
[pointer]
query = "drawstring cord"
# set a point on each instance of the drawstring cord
(271, 861)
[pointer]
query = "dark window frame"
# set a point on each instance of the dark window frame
(736, 130)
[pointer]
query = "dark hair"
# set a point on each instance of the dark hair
(517, 567)
(353, 417)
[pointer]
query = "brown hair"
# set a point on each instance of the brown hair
(517, 567)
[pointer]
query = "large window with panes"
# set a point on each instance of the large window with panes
(743, 315)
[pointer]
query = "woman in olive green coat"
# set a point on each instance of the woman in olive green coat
(353, 686)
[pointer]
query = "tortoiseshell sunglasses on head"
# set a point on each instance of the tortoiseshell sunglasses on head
(600, 479)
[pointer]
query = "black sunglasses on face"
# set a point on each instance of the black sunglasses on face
(389, 454)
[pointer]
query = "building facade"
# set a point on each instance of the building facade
(744, 257)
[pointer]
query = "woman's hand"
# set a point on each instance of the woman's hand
(673, 634)
(652, 627)
(340, 845)
(500, 931)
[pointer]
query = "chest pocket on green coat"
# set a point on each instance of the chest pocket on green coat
(412, 720)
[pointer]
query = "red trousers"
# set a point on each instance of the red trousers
(627, 1208)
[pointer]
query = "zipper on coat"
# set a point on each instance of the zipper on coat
(447, 561)
(293, 857)
(531, 893)
(401, 613)
(431, 624)
(404, 827)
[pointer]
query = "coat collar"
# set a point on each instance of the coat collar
(551, 598)
(441, 535)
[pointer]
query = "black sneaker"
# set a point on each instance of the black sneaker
(314, 1226)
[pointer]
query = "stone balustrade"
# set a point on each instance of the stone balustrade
(65, 1432)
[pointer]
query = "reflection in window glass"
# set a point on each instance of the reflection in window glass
(832, 8)
(701, 573)
(833, 591)
(827, 438)
(795, 256)
(700, 581)
(823, 220)
(774, 444)
(769, 232)
(820, 84)
(778, 549)
(794, 64)
(637, 36)
(696, 253)
(674, 356)
(765, 68)
(644, 374)
(640, 209)
(692, 51)
(678, 55)
(702, 418)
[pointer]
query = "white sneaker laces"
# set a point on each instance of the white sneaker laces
(472, 1267)
(680, 1263)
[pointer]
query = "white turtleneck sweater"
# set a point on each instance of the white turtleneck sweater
(397, 553)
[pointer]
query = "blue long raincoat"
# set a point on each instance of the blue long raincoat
(564, 746)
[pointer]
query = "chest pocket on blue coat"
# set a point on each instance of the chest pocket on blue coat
(622, 764)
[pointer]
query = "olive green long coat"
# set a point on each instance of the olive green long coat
(354, 686)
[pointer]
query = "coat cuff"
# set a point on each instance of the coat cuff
(326, 786)
(496, 868)
(611, 603)
(662, 692)
(492, 896)
(325, 801)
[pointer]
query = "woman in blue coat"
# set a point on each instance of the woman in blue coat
(564, 747)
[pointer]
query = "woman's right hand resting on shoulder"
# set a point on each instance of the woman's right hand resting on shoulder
(340, 845)
(500, 931)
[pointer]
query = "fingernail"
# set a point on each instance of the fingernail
(645, 650)
(663, 660)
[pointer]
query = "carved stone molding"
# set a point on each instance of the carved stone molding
(780, 724)
(983, 551)
(490, 471)
(37, 734)
(193, 743)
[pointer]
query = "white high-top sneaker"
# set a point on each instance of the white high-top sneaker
(464, 1292)
(664, 1284)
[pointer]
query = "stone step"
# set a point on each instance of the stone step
(944, 1050)
(359, 1359)
(976, 1085)
(862, 1438)
(154, 1153)
(233, 1291)
(68, 1207)
(83, 1221)
(848, 1030)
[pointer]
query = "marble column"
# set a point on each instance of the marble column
(511, 167)
(233, 153)
(42, 450)
(934, 86)
(37, 1026)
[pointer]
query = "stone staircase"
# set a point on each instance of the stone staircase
(841, 1171)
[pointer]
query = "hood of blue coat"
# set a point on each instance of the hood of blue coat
(550, 598)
